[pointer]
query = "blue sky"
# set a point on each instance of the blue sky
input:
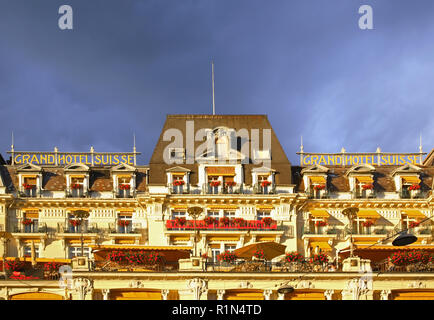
(126, 64)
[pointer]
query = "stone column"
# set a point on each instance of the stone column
(106, 294)
(267, 294)
(220, 294)
(164, 293)
(384, 294)
(329, 294)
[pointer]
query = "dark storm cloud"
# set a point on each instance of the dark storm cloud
(127, 64)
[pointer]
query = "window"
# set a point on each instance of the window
(229, 214)
(30, 221)
(262, 214)
(29, 186)
(178, 184)
(214, 214)
(27, 251)
(214, 183)
(178, 214)
(230, 247)
(264, 183)
(125, 222)
(76, 252)
(215, 252)
(124, 186)
(77, 186)
(76, 225)
(177, 153)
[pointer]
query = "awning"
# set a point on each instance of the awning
(365, 213)
(412, 213)
(31, 214)
(222, 206)
(364, 179)
(124, 176)
(361, 245)
(179, 207)
(318, 179)
(29, 259)
(319, 213)
(323, 245)
(137, 247)
(411, 179)
(393, 248)
(220, 171)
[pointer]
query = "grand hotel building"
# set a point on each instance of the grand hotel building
(127, 207)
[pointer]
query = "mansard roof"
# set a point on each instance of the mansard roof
(279, 160)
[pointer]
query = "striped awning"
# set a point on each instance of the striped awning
(222, 206)
(265, 207)
(411, 179)
(412, 213)
(365, 213)
(393, 248)
(318, 179)
(364, 179)
(319, 213)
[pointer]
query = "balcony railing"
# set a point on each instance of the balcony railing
(125, 193)
(364, 194)
(259, 189)
(179, 189)
(29, 193)
(33, 227)
(76, 193)
(200, 224)
(313, 194)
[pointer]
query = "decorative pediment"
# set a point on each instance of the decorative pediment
(263, 170)
(316, 168)
(29, 167)
(123, 167)
(360, 169)
(178, 169)
(408, 168)
(76, 167)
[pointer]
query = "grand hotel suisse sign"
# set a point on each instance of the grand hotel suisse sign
(65, 158)
(350, 159)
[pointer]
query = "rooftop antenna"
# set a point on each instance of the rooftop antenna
(134, 143)
(420, 143)
(12, 145)
(301, 144)
(213, 98)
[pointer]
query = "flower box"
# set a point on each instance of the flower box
(124, 186)
(214, 183)
(227, 257)
(294, 257)
(178, 183)
(321, 224)
(27, 222)
(414, 187)
(27, 186)
(319, 187)
(265, 183)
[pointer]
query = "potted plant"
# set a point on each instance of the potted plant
(209, 221)
(27, 222)
(224, 221)
(180, 221)
(227, 257)
(294, 257)
(267, 221)
(259, 254)
(214, 183)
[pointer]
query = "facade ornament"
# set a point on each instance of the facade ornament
(164, 293)
(245, 285)
(198, 286)
(417, 285)
(329, 294)
(384, 294)
(356, 288)
(106, 294)
(220, 294)
(267, 294)
(82, 286)
(305, 284)
(280, 296)
(135, 284)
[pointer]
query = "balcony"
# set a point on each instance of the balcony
(322, 231)
(314, 194)
(125, 193)
(256, 225)
(412, 194)
(25, 226)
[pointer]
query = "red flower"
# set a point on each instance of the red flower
(27, 222)
(75, 186)
(319, 187)
(367, 223)
(368, 186)
(27, 186)
(227, 256)
(265, 183)
(124, 186)
(320, 223)
(267, 221)
(214, 183)
(231, 183)
(178, 183)
(123, 223)
(294, 257)
(414, 187)
(74, 222)
(180, 221)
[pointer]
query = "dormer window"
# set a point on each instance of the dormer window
(220, 179)
(178, 180)
(317, 187)
(410, 187)
(124, 180)
(407, 181)
(263, 180)
(363, 187)
(30, 180)
(77, 180)
(124, 186)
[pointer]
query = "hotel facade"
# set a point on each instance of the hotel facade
(85, 210)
